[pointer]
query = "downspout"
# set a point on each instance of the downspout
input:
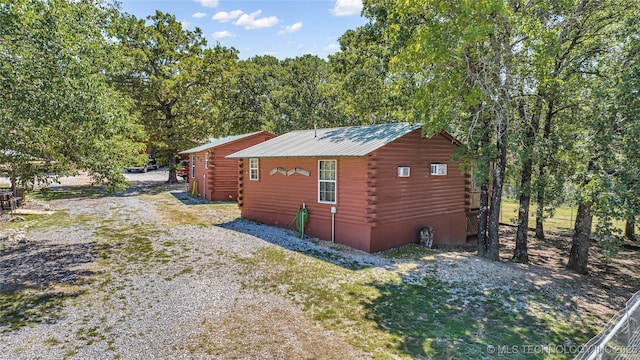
(204, 186)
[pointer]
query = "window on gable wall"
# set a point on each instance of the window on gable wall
(327, 181)
(438, 169)
(254, 167)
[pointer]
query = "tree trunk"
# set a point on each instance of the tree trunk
(172, 153)
(483, 244)
(171, 162)
(493, 230)
(579, 255)
(540, 212)
(483, 216)
(542, 183)
(520, 254)
(629, 230)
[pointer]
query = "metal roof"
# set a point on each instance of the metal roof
(352, 141)
(213, 142)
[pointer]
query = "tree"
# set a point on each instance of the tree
(307, 95)
(629, 107)
(563, 41)
(250, 104)
(370, 92)
(608, 185)
(462, 55)
(282, 95)
(177, 82)
(59, 112)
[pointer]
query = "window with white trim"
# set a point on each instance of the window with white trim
(206, 160)
(327, 181)
(254, 167)
(438, 169)
(193, 166)
(404, 171)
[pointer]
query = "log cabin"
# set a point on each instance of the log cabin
(214, 176)
(369, 187)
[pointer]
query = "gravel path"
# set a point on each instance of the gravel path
(176, 293)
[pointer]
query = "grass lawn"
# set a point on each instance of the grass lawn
(562, 220)
(408, 313)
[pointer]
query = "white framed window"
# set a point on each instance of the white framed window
(206, 160)
(404, 171)
(439, 169)
(254, 167)
(327, 181)
(193, 166)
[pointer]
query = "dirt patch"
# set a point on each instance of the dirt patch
(264, 329)
(602, 292)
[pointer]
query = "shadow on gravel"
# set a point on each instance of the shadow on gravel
(59, 192)
(78, 192)
(150, 187)
(184, 197)
(336, 254)
(37, 279)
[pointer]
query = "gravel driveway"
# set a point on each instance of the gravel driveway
(105, 292)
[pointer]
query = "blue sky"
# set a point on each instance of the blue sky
(282, 28)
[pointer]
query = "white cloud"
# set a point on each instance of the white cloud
(249, 21)
(290, 29)
(331, 48)
(224, 16)
(347, 8)
(222, 34)
(208, 3)
(185, 24)
(199, 15)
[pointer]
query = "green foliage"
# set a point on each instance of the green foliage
(281, 96)
(59, 112)
(251, 104)
(477, 67)
(370, 93)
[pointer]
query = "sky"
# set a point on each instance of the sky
(281, 28)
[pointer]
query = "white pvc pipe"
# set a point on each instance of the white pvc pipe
(600, 348)
(333, 227)
(304, 206)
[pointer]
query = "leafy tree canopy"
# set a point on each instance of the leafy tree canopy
(177, 82)
(58, 111)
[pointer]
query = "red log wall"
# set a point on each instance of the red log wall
(405, 205)
(376, 209)
(222, 174)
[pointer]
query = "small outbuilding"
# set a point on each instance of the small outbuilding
(211, 175)
(369, 187)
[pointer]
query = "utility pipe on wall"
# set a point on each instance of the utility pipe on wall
(304, 206)
(204, 186)
(333, 223)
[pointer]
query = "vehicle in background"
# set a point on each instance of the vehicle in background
(146, 162)
(183, 170)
